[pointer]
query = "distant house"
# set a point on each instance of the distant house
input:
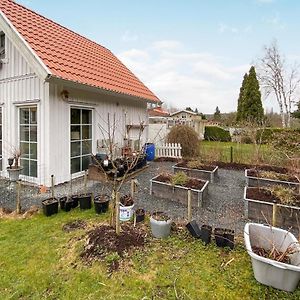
(160, 123)
(57, 90)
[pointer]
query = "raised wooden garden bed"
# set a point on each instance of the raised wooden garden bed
(253, 180)
(208, 172)
(179, 193)
(259, 206)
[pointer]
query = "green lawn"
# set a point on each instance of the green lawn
(40, 261)
(241, 153)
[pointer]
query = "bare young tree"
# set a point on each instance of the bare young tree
(280, 79)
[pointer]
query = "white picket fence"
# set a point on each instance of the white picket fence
(168, 150)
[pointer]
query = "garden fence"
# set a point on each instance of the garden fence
(168, 150)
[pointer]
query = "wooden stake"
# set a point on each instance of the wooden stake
(85, 182)
(132, 188)
(189, 205)
(274, 214)
(18, 209)
(117, 213)
(52, 186)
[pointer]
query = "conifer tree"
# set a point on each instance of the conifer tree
(239, 115)
(217, 114)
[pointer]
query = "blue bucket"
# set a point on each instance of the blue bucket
(150, 151)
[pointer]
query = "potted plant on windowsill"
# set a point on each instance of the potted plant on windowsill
(160, 225)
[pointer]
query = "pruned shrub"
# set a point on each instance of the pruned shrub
(215, 133)
(179, 178)
(188, 139)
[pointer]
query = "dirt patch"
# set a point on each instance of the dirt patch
(206, 167)
(270, 174)
(166, 159)
(192, 183)
(104, 244)
(261, 194)
(9, 214)
(74, 225)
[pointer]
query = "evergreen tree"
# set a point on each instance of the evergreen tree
(296, 113)
(217, 114)
(250, 108)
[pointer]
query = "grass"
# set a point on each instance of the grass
(242, 153)
(40, 261)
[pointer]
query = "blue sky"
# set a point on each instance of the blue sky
(188, 52)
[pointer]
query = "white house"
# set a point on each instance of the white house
(57, 90)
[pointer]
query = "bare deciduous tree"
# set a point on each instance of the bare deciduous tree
(280, 79)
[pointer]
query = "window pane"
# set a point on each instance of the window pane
(24, 147)
(86, 116)
(24, 133)
(33, 119)
(86, 147)
(75, 149)
(33, 151)
(24, 116)
(33, 133)
(75, 132)
(75, 116)
(25, 165)
(85, 162)
(75, 165)
(33, 168)
(86, 132)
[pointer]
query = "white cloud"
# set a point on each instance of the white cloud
(274, 21)
(129, 37)
(226, 28)
(182, 78)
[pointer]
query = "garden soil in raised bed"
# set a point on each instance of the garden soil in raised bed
(184, 164)
(256, 173)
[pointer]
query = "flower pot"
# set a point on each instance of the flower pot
(85, 201)
(220, 237)
(75, 201)
(101, 203)
(126, 212)
(160, 228)
(194, 229)
(279, 275)
(229, 238)
(205, 234)
(14, 173)
(50, 206)
(139, 215)
(65, 203)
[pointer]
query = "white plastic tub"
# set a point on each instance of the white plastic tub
(126, 212)
(267, 271)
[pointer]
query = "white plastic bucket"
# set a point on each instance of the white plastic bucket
(126, 212)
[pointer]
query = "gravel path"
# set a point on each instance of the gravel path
(225, 207)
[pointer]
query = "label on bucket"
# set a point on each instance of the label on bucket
(126, 212)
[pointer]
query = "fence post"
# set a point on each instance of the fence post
(117, 213)
(231, 154)
(189, 205)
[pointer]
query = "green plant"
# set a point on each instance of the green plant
(194, 164)
(285, 195)
(274, 175)
(179, 178)
(215, 133)
(188, 139)
(112, 257)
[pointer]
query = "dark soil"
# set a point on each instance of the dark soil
(140, 212)
(103, 241)
(184, 164)
(261, 194)
(192, 183)
(74, 225)
(126, 200)
(274, 255)
(101, 198)
(50, 201)
(257, 173)
(160, 216)
(166, 159)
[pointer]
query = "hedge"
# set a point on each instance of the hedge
(266, 135)
(215, 133)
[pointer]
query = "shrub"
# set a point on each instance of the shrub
(215, 133)
(179, 178)
(188, 139)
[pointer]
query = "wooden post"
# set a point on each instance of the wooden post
(52, 186)
(18, 208)
(132, 188)
(231, 154)
(274, 214)
(117, 213)
(85, 182)
(189, 205)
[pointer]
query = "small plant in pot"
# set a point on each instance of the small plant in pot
(50, 206)
(160, 225)
(85, 200)
(126, 207)
(224, 237)
(139, 215)
(206, 234)
(65, 203)
(101, 203)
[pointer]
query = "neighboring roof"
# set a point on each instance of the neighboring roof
(157, 112)
(71, 56)
(183, 111)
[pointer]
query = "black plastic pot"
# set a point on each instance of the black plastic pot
(220, 237)
(74, 201)
(101, 203)
(50, 206)
(194, 229)
(139, 215)
(62, 202)
(85, 201)
(229, 238)
(206, 234)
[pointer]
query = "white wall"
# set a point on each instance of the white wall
(127, 111)
(158, 133)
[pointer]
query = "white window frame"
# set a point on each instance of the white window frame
(2, 47)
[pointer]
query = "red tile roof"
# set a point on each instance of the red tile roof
(70, 56)
(158, 112)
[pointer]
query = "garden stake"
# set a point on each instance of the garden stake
(85, 182)
(231, 154)
(18, 197)
(189, 205)
(118, 213)
(274, 214)
(132, 188)
(52, 186)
